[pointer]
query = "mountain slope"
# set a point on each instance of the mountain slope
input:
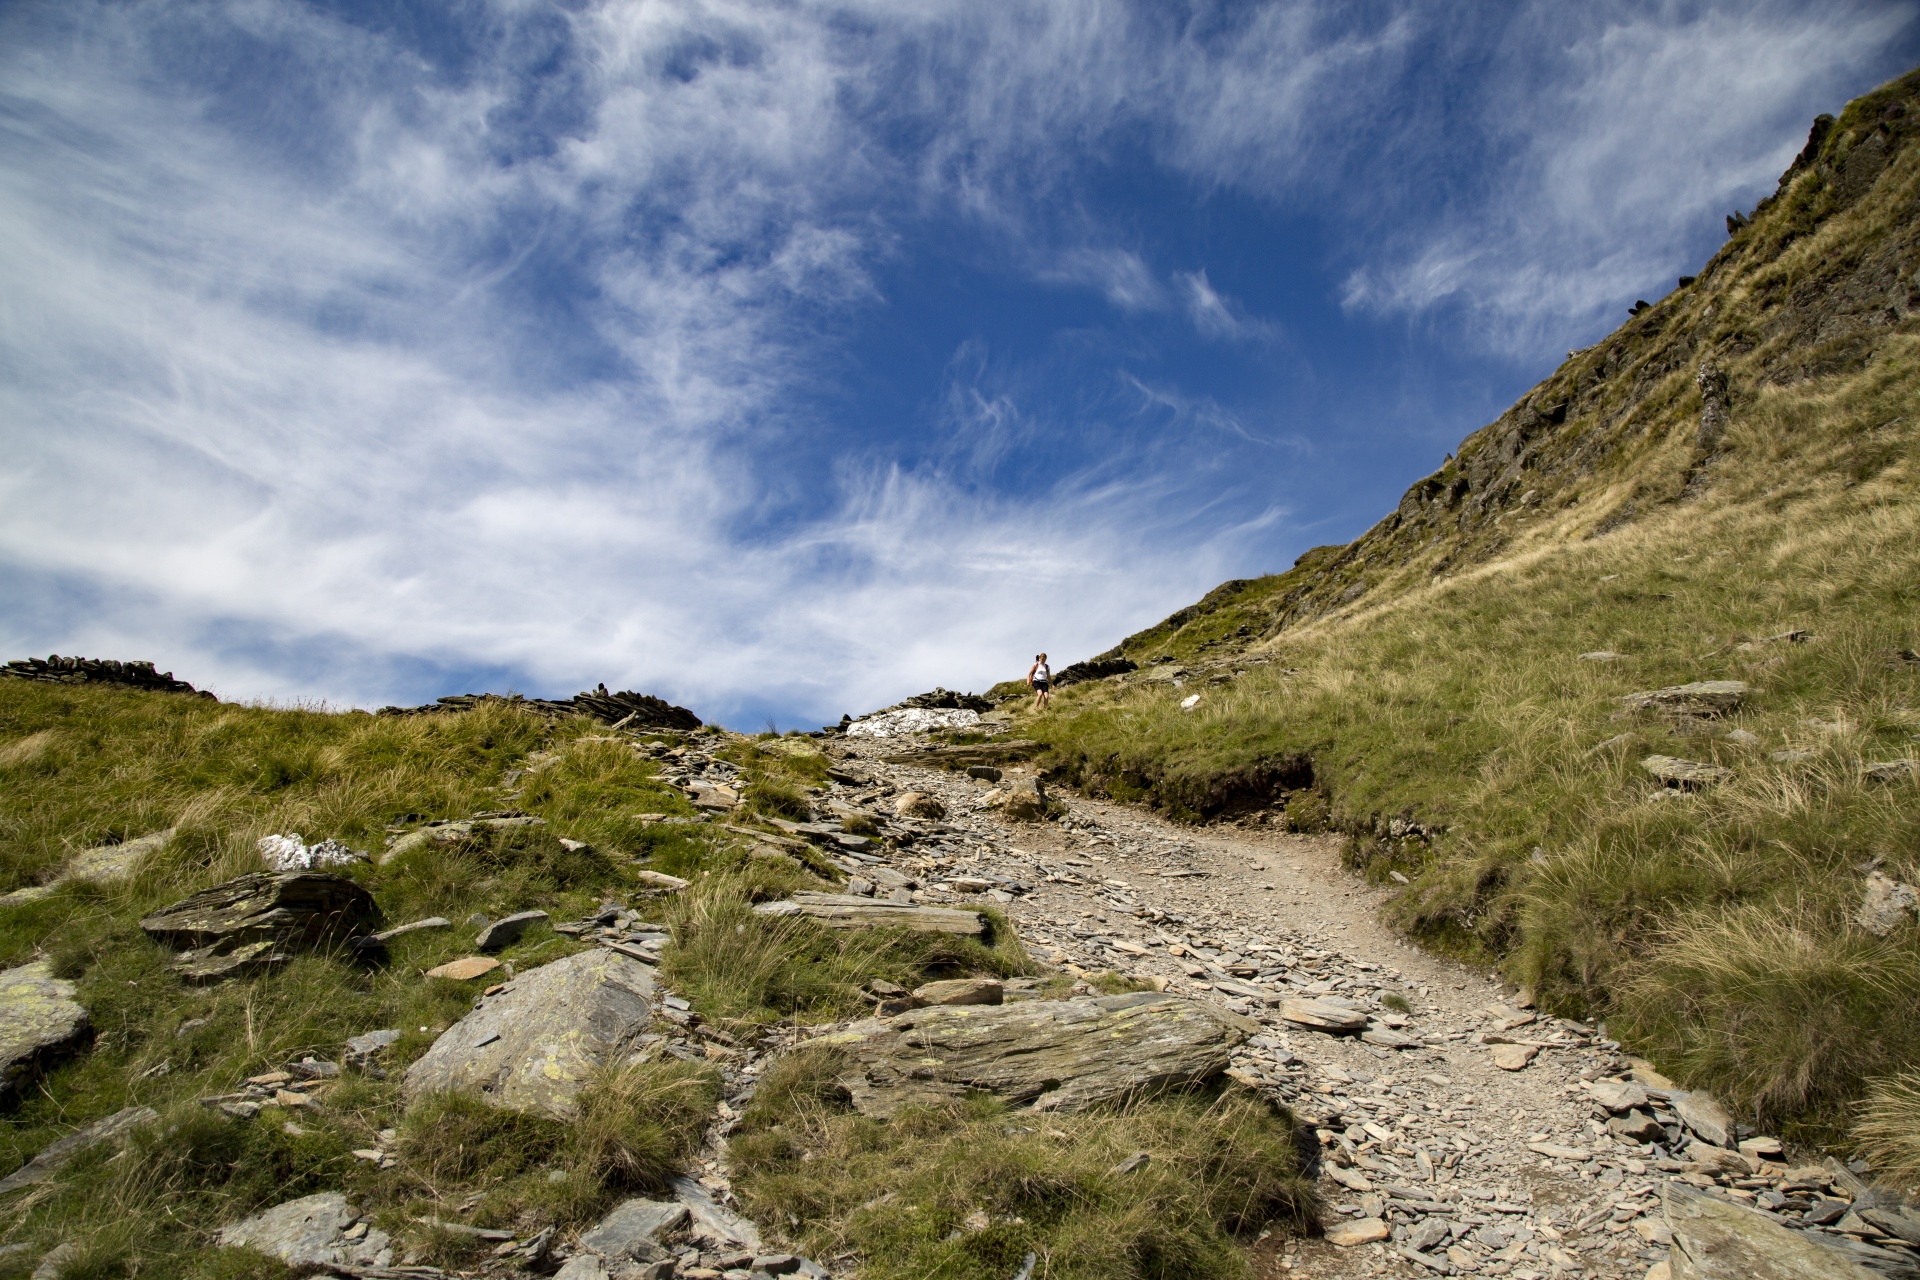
(1736, 463)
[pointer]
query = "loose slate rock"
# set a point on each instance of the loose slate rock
(962, 991)
(1705, 1117)
(709, 1220)
(1056, 1054)
(505, 931)
(259, 919)
(531, 1046)
(846, 911)
(310, 1233)
(1322, 1016)
(1618, 1095)
(1361, 1231)
(1701, 698)
(630, 1231)
(1513, 1057)
(1676, 772)
(51, 1158)
(39, 1022)
(1885, 904)
(1714, 1239)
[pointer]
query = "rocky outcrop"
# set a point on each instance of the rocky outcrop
(531, 1045)
(1714, 1239)
(40, 1022)
(1885, 904)
(1685, 774)
(846, 911)
(1054, 1054)
(260, 919)
(1700, 698)
(625, 710)
(450, 831)
(311, 1234)
(55, 669)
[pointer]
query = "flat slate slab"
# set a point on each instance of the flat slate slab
(1714, 1239)
(39, 1022)
(1322, 1016)
(532, 1045)
(846, 911)
(1055, 1054)
(310, 1233)
(260, 919)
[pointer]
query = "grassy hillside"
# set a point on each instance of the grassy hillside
(1737, 462)
(86, 765)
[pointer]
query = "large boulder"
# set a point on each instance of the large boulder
(260, 919)
(102, 864)
(1056, 1054)
(532, 1045)
(311, 1234)
(39, 1021)
(1714, 1239)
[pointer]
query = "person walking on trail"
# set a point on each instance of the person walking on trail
(1040, 676)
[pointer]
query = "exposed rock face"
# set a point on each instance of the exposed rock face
(630, 1231)
(1714, 1239)
(453, 831)
(626, 710)
(50, 1159)
(55, 669)
(310, 1233)
(1055, 1054)
(531, 1046)
(39, 1022)
(259, 919)
(710, 1221)
(846, 911)
(1705, 1117)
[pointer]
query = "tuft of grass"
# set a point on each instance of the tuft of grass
(969, 1189)
(1888, 1128)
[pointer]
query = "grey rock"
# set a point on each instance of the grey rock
(845, 911)
(1700, 698)
(446, 833)
(962, 991)
(984, 772)
(40, 1021)
(1714, 1239)
(416, 926)
(1056, 1054)
(1707, 1119)
(310, 1233)
(583, 1266)
(532, 1046)
(259, 919)
(632, 1230)
(1885, 904)
(1742, 738)
(1427, 1233)
(505, 931)
(54, 1261)
(1892, 770)
(102, 863)
(709, 1221)
(1638, 1126)
(1618, 1095)
(1025, 800)
(1322, 1015)
(1687, 774)
(111, 1129)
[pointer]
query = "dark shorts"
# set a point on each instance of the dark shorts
(1040, 686)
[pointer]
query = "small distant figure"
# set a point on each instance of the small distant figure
(1040, 676)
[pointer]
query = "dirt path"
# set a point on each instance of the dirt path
(1431, 1139)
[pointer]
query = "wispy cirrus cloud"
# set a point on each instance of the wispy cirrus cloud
(545, 344)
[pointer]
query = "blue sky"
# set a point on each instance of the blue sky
(788, 358)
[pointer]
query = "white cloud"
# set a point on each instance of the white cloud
(1620, 137)
(285, 405)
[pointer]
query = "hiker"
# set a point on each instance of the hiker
(1040, 676)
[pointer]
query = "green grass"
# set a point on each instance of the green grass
(1713, 931)
(970, 1189)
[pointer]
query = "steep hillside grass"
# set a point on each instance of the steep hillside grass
(1712, 930)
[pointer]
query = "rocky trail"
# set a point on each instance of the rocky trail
(1460, 1131)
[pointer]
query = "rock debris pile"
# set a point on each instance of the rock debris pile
(54, 669)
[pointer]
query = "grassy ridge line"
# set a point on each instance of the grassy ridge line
(1713, 930)
(80, 764)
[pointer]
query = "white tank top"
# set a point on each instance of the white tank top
(1043, 672)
